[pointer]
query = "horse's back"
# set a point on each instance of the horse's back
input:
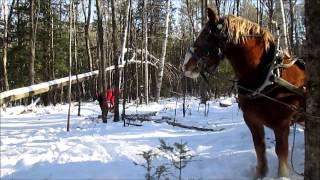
(294, 74)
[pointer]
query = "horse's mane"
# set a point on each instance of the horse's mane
(239, 29)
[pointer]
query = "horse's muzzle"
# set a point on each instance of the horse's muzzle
(191, 72)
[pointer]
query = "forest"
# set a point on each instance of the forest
(41, 37)
(62, 51)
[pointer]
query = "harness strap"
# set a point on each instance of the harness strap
(274, 77)
(291, 63)
(281, 82)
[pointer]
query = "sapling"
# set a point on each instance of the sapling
(148, 156)
(161, 171)
(180, 155)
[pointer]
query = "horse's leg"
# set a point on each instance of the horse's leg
(257, 132)
(281, 134)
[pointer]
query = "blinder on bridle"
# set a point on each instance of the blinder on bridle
(207, 52)
(218, 37)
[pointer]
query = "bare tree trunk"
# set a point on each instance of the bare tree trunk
(127, 31)
(146, 70)
(270, 5)
(257, 14)
(115, 58)
(238, 7)
(163, 54)
(312, 138)
(87, 19)
(75, 17)
(142, 58)
(218, 5)
(292, 20)
(108, 43)
(61, 94)
(203, 84)
(86, 32)
(19, 23)
(52, 53)
(102, 60)
(70, 60)
(284, 25)
(138, 97)
(261, 13)
(4, 80)
(203, 13)
(190, 15)
(32, 42)
(98, 63)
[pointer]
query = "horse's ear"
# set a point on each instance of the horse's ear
(213, 15)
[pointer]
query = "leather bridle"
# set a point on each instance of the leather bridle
(209, 52)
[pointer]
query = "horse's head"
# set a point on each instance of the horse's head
(205, 53)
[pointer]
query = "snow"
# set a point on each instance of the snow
(35, 144)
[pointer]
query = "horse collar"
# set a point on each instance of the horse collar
(265, 78)
(272, 79)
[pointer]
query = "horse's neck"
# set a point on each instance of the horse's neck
(248, 59)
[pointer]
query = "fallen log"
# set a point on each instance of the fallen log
(143, 115)
(168, 120)
(193, 127)
(140, 117)
(133, 124)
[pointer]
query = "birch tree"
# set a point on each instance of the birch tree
(33, 36)
(163, 54)
(127, 31)
(284, 26)
(70, 60)
(4, 80)
(86, 32)
(145, 37)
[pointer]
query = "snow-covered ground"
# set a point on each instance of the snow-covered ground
(35, 144)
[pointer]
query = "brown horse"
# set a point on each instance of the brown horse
(268, 85)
